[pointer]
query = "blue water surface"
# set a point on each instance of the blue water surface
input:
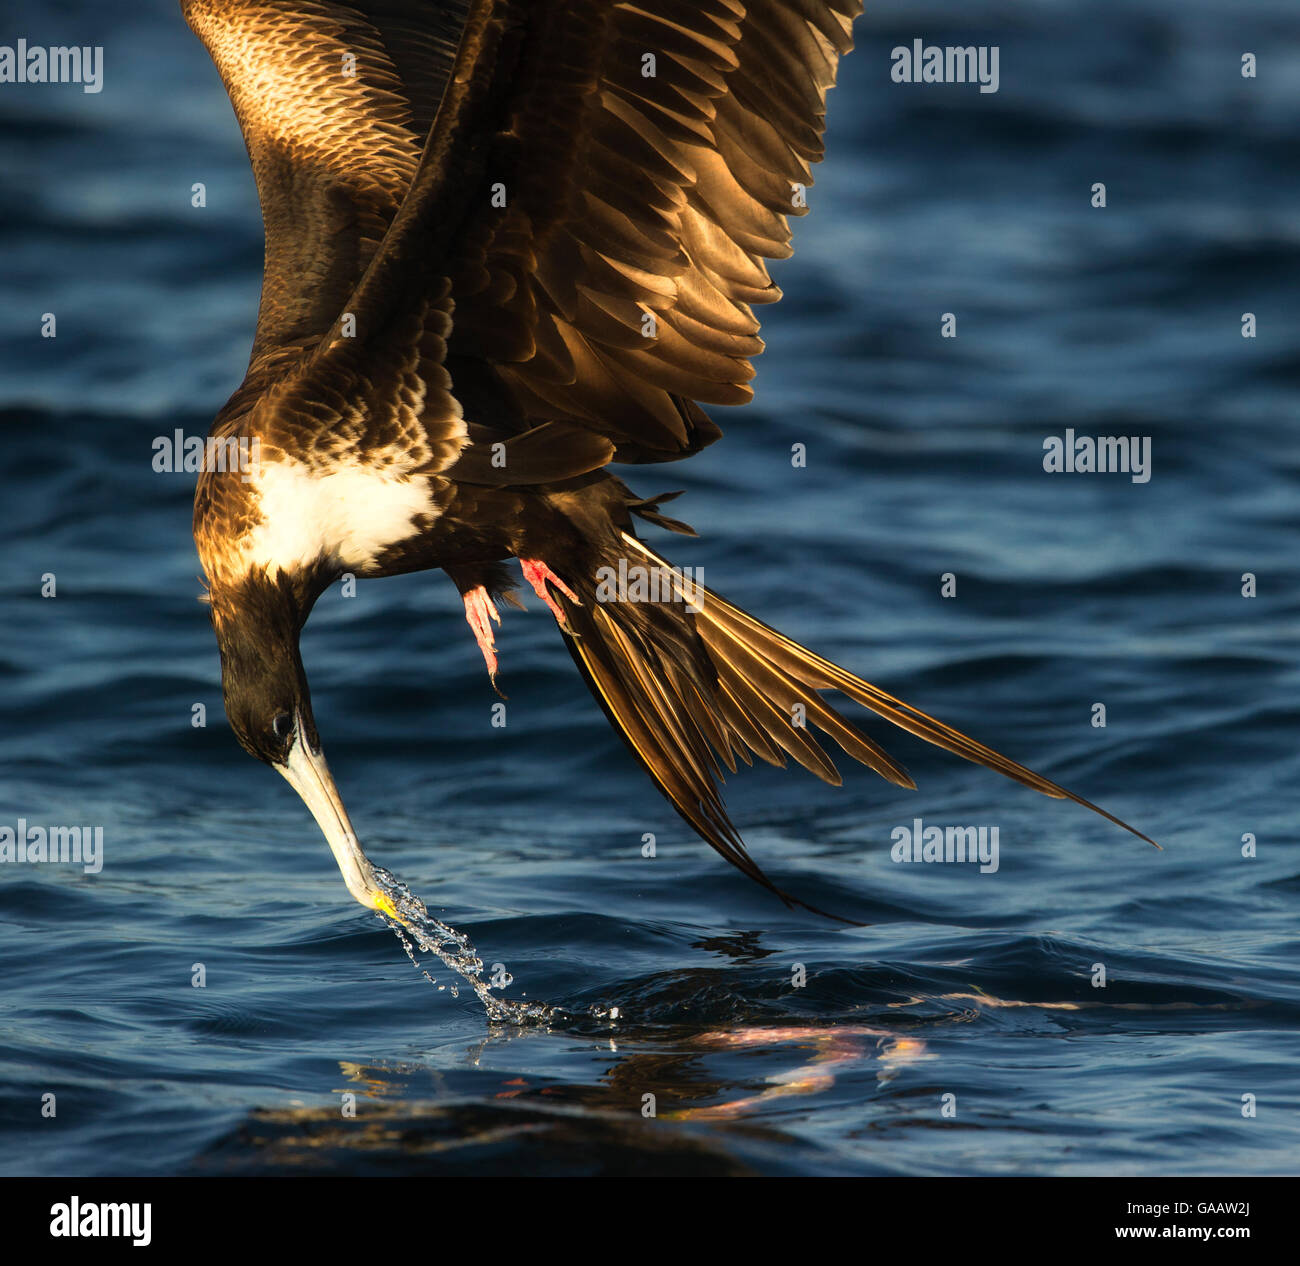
(965, 1029)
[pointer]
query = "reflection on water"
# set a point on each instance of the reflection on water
(832, 1049)
(616, 1125)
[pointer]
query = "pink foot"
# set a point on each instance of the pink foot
(537, 573)
(479, 609)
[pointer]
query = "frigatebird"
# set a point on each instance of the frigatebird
(508, 244)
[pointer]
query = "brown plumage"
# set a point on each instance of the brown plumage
(509, 242)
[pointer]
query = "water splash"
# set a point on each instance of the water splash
(454, 948)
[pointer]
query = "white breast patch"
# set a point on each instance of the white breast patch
(351, 514)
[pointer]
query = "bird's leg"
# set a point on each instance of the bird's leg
(479, 609)
(538, 574)
(481, 585)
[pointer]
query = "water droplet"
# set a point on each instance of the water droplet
(454, 949)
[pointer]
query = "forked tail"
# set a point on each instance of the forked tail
(689, 680)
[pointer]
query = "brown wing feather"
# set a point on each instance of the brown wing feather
(605, 228)
(334, 101)
(600, 187)
(649, 240)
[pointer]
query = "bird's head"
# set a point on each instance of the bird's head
(258, 622)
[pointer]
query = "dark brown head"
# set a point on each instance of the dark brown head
(258, 622)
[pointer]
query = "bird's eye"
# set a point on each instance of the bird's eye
(282, 726)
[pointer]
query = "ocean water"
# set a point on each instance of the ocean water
(965, 1029)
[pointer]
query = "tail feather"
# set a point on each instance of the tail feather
(688, 689)
(666, 739)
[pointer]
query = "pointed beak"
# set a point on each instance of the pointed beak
(309, 775)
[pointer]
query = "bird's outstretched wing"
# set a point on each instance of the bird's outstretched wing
(335, 102)
(590, 209)
(602, 185)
